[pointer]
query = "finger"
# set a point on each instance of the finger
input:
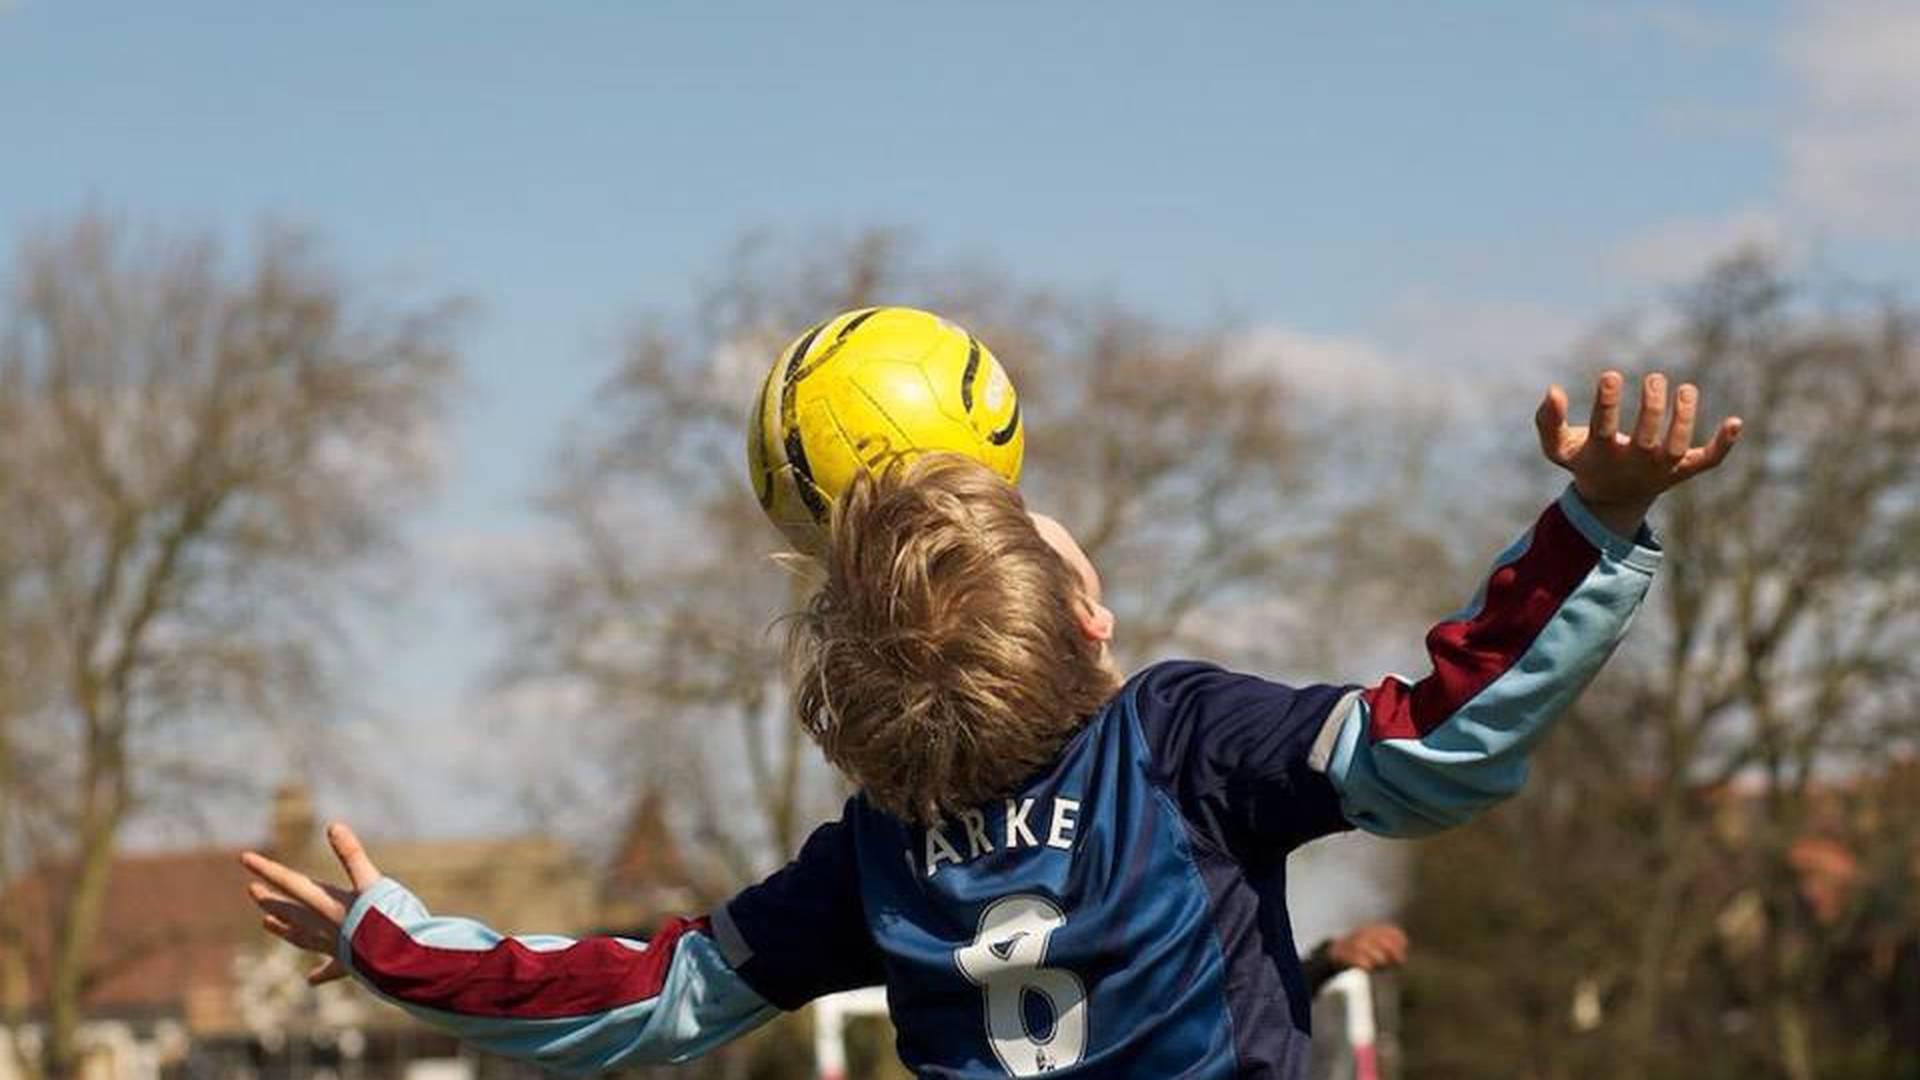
(281, 907)
(1606, 407)
(299, 916)
(360, 869)
(277, 881)
(298, 936)
(326, 972)
(1653, 412)
(1686, 401)
(294, 884)
(295, 936)
(1702, 458)
(273, 903)
(1550, 420)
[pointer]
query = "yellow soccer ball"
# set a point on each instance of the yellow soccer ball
(861, 388)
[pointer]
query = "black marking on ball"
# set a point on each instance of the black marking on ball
(854, 324)
(763, 479)
(789, 408)
(800, 350)
(795, 376)
(1005, 434)
(798, 368)
(966, 377)
(803, 477)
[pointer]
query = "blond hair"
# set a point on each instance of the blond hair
(941, 663)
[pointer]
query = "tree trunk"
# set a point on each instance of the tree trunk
(14, 987)
(1795, 1037)
(1648, 973)
(79, 922)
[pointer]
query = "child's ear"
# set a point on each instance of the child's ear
(1096, 622)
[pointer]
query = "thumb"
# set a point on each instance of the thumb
(346, 846)
(326, 972)
(1550, 420)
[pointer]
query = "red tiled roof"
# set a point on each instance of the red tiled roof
(174, 922)
(171, 923)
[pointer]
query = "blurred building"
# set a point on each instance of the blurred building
(187, 985)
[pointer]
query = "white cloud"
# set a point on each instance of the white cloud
(1434, 355)
(423, 453)
(495, 554)
(1859, 53)
(1848, 135)
(1680, 248)
(1496, 340)
(1853, 144)
(1339, 371)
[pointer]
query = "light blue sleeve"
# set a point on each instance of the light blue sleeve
(575, 1007)
(1409, 759)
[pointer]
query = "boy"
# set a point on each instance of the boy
(1047, 868)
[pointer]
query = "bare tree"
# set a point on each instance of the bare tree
(1190, 474)
(196, 456)
(1232, 519)
(661, 605)
(22, 688)
(1774, 669)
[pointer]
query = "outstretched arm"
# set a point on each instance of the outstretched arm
(574, 1006)
(1410, 758)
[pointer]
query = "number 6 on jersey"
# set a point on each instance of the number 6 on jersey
(1004, 961)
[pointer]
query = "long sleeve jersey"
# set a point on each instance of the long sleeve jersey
(1121, 914)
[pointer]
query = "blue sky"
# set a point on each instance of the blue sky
(1427, 187)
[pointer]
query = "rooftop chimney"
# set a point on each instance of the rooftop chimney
(290, 830)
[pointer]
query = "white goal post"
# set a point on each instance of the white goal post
(1355, 988)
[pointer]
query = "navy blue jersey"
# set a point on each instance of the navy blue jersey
(1121, 914)
(1126, 906)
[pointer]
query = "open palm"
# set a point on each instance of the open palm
(1612, 468)
(305, 912)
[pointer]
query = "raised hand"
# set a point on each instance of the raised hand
(1619, 475)
(305, 912)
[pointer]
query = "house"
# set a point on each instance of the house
(185, 983)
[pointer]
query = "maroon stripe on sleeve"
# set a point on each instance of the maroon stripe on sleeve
(1468, 655)
(511, 980)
